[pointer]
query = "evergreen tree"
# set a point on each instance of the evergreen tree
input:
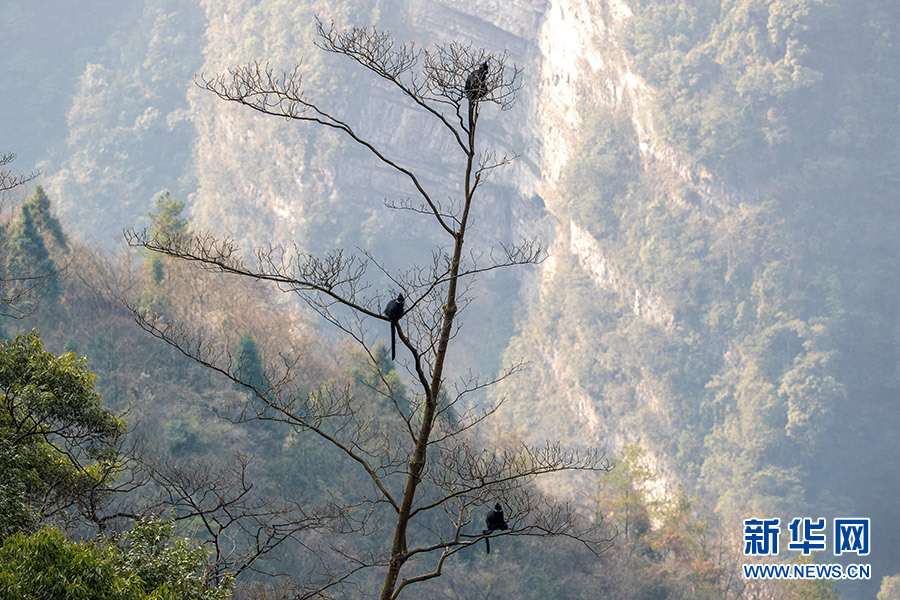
(70, 453)
(46, 565)
(157, 270)
(249, 364)
(149, 562)
(27, 258)
(45, 222)
(166, 224)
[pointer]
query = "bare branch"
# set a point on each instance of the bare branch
(468, 473)
(260, 88)
(424, 460)
(9, 179)
(306, 414)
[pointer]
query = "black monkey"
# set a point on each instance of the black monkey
(393, 312)
(476, 83)
(476, 88)
(494, 521)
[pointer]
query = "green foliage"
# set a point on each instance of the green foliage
(46, 222)
(782, 351)
(126, 125)
(28, 246)
(169, 568)
(57, 442)
(45, 565)
(624, 497)
(598, 175)
(167, 223)
(184, 435)
(71, 345)
(148, 564)
(738, 332)
(249, 366)
(157, 270)
(661, 535)
(380, 382)
(27, 261)
(748, 86)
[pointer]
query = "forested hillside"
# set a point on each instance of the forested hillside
(722, 282)
(714, 182)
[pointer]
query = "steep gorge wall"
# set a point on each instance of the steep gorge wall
(583, 68)
(266, 180)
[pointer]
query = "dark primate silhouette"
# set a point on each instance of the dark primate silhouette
(393, 312)
(476, 88)
(494, 521)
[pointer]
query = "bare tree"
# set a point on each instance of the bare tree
(10, 179)
(241, 525)
(429, 475)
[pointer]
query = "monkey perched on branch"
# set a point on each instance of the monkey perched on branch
(494, 521)
(393, 312)
(476, 88)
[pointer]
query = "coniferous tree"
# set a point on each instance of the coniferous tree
(28, 271)
(44, 220)
(27, 258)
(249, 364)
(166, 224)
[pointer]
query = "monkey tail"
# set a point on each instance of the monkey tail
(487, 543)
(393, 341)
(471, 113)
